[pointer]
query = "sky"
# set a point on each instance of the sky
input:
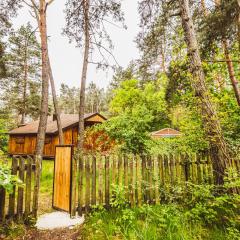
(66, 59)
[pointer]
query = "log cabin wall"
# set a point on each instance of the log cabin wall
(25, 144)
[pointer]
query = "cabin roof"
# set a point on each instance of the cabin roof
(166, 132)
(67, 120)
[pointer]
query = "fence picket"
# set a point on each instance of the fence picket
(80, 185)
(28, 187)
(100, 186)
(126, 177)
(150, 180)
(20, 189)
(2, 204)
(94, 170)
(12, 196)
(131, 180)
(107, 186)
(87, 179)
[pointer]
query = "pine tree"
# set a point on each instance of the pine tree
(23, 76)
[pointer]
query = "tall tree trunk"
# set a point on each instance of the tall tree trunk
(82, 96)
(84, 75)
(44, 104)
(230, 66)
(51, 79)
(204, 8)
(219, 151)
(55, 102)
(238, 24)
(163, 62)
(231, 71)
(25, 84)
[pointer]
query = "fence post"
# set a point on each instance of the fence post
(131, 181)
(126, 176)
(73, 186)
(87, 192)
(107, 187)
(144, 197)
(2, 204)
(186, 167)
(28, 188)
(136, 181)
(93, 202)
(12, 196)
(20, 189)
(100, 185)
(80, 183)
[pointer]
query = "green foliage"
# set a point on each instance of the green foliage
(198, 212)
(137, 111)
(22, 80)
(8, 181)
(12, 230)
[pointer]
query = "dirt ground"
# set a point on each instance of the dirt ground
(57, 234)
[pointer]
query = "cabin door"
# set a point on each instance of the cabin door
(62, 177)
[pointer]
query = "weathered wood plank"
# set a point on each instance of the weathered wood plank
(126, 177)
(119, 170)
(131, 179)
(87, 191)
(137, 179)
(107, 183)
(80, 184)
(150, 180)
(144, 195)
(94, 171)
(20, 189)
(74, 167)
(2, 204)
(100, 187)
(12, 196)
(28, 188)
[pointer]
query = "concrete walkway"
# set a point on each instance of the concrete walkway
(54, 220)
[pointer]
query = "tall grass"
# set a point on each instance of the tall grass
(160, 222)
(47, 176)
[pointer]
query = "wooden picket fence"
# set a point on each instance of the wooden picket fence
(18, 205)
(145, 179)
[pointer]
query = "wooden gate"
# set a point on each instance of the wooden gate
(62, 177)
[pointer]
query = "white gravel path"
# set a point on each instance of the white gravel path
(54, 220)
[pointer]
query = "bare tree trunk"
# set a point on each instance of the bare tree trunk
(51, 79)
(219, 151)
(55, 102)
(44, 105)
(25, 84)
(163, 63)
(229, 63)
(84, 76)
(204, 8)
(231, 71)
(238, 24)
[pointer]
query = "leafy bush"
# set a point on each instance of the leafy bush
(8, 181)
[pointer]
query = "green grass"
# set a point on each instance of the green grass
(160, 222)
(46, 187)
(47, 176)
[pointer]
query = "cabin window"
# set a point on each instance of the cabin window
(20, 140)
(48, 140)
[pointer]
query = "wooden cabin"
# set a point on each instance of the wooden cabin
(166, 133)
(22, 140)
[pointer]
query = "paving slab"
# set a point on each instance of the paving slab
(58, 219)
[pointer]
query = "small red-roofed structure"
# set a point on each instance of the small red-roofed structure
(166, 133)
